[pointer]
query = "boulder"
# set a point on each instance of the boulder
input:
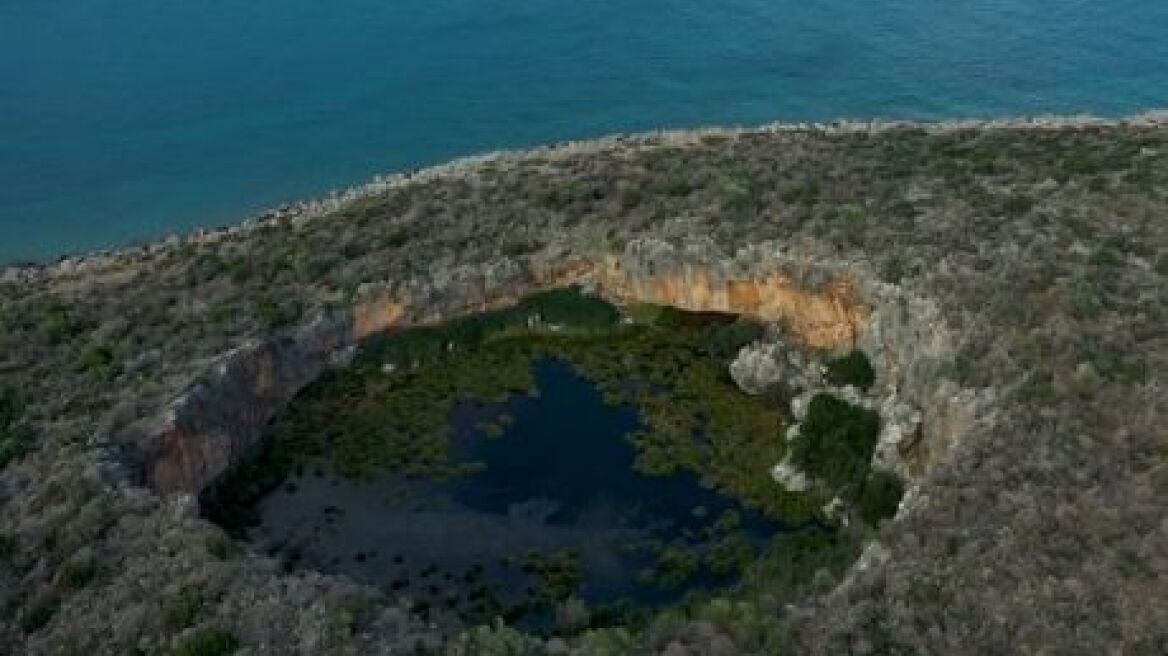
(757, 367)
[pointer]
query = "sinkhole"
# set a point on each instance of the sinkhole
(560, 465)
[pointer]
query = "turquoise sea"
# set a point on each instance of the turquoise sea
(127, 119)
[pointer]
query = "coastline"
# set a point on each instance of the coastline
(298, 212)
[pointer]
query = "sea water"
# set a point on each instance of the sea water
(122, 120)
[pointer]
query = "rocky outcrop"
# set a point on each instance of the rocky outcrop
(756, 367)
(753, 282)
(217, 420)
(925, 412)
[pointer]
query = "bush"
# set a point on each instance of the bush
(208, 641)
(58, 324)
(736, 192)
(38, 614)
(78, 574)
(724, 342)
(98, 359)
(274, 314)
(836, 443)
(880, 497)
(851, 369)
(14, 438)
(10, 407)
(7, 548)
(182, 611)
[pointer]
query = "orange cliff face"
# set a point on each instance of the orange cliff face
(829, 319)
(376, 316)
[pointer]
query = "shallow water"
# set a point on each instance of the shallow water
(558, 478)
(123, 119)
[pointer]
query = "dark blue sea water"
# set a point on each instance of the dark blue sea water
(123, 119)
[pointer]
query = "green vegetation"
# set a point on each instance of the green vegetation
(98, 359)
(789, 568)
(7, 548)
(836, 442)
(566, 310)
(675, 565)
(184, 608)
(730, 555)
(736, 191)
(851, 369)
(37, 614)
(15, 438)
(58, 324)
(207, 641)
(880, 497)
(389, 411)
(78, 574)
(559, 573)
(835, 446)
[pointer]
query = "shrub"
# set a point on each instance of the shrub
(38, 614)
(58, 324)
(7, 548)
(78, 574)
(208, 641)
(1105, 256)
(182, 611)
(275, 314)
(836, 442)
(851, 369)
(880, 497)
(736, 192)
(725, 341)
(98, 359)
(15, 439)
(678, 186)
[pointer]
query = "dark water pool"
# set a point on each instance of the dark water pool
(557, 510)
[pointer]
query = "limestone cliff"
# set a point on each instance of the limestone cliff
(694, 279)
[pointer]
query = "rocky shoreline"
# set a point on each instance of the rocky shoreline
(315, 208)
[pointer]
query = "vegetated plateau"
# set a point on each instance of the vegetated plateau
(986, 299)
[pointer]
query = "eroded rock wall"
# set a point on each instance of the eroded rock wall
(218, 419)
(753, 282)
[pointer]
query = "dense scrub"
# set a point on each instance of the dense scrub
(835, 443)
(1043, 248)
(851, 369)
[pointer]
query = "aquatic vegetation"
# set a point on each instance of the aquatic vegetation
(391, 410)
(559, 573)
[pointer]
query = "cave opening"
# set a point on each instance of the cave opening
(564, 464)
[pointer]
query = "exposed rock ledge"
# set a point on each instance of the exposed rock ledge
(221, 416)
